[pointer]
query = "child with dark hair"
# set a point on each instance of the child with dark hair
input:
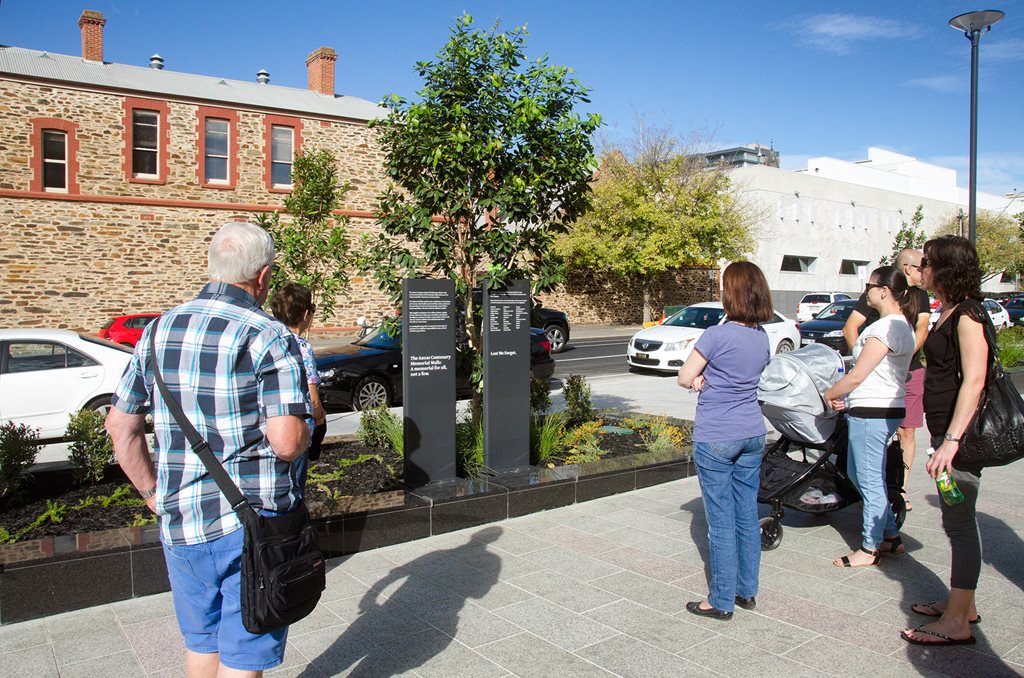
(293, 305)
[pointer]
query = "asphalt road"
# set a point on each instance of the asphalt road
(592, 357)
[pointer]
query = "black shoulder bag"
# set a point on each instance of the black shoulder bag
(995, 435)
(283, 571)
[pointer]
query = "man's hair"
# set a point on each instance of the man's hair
(745, 294)
(956, 273)
(238, 251)
(290, 303)
(908, 256)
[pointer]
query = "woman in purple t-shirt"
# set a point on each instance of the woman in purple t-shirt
(728, 437)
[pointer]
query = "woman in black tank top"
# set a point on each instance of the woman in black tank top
(954, 378)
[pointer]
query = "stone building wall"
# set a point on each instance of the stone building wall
(74, 261)
(600, 300)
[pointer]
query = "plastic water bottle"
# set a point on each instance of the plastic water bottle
(950, 493)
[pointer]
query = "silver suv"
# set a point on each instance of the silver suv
(814, 302)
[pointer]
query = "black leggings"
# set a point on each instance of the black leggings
(961, 524)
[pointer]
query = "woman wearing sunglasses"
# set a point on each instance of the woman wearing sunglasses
(873, 393)
(953, 381)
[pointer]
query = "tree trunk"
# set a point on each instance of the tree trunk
(648, 311)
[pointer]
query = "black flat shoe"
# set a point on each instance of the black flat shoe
(746, 603)
(712, 612)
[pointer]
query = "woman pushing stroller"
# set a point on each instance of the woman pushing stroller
(872, 394)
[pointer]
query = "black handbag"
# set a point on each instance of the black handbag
(283, 571)
(995, 435)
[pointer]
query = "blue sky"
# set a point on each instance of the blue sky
(812, 78)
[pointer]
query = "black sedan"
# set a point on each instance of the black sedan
(827, 327)
(368, 372)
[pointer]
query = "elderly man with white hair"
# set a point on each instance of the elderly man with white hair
(238, 376)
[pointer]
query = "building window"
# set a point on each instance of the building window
(54, 156)
(55, 161)
(146, 139)
(282, 142)
(795, 264)
(217, 147)
(145, 126)
(852, 267)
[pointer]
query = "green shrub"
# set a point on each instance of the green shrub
(583, 443)
(540, 395)
(546, 438)
(19, 445)
(1010, 343)
(380, 427)
(469, 448)
(578, 408)
(658, 434)
(91, 449)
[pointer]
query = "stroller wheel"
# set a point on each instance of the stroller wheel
(899, 508)
(771, 533)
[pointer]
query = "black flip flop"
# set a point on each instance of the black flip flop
(935, 612)
(944, 639)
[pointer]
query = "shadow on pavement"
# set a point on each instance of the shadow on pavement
(418, 620)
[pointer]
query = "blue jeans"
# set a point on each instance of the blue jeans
(729, 473)
(865, 464)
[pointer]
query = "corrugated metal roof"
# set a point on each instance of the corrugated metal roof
(60, 67)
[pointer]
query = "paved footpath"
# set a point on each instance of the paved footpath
(599, 589)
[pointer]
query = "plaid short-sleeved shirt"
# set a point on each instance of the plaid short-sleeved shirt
(232, 367)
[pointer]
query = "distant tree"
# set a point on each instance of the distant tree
(487, 166)
(1000, 242)
(657, 207)
(312, 245)
(910, 236)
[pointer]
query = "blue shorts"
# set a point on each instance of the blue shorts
(206, 585)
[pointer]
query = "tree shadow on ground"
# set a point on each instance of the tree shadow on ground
(396, 630)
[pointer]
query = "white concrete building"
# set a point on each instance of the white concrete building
(826, 227)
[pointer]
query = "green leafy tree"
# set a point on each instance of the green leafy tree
(657, 207)
(910, 236)
(488, 164)
(1000, 242)
(312, 244)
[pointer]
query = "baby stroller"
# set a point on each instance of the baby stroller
(790, 395)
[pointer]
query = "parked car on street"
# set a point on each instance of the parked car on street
(827, 327)
(999, 315)
(666, 346)
(48, 375)
(126, 329)
(814, 302)
(368, 372)
(1015, 309)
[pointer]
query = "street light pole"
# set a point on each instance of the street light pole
(974, 24)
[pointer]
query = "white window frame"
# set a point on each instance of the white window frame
(64, 162)
(207, 154)
(136, 147)
(274, 161)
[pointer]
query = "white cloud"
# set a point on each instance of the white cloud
(946, 84)
(999, 173)
(1002, 51)
(839, 33)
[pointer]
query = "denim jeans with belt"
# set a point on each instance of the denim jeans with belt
(729, 473)
(865, 464)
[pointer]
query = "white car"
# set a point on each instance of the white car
(1000, 317)
(48, 375)
(667, 346)
(812, 304)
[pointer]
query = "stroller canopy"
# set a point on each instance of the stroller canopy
(790, 392)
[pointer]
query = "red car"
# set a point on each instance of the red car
(126, 329)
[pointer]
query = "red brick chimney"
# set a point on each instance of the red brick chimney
(320, 65)
(92, 24)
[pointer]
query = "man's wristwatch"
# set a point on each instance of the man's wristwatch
(951, 438)
(148, 493)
